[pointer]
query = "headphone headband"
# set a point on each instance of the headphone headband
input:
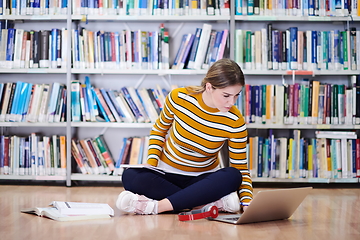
(205, 212)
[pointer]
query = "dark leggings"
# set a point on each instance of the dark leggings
(184, 192)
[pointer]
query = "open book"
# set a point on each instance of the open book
(72, 211)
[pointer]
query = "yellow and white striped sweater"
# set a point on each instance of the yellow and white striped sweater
(195, 134)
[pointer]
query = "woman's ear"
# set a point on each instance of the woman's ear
(208, 87)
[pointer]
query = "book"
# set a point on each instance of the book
(72, 211)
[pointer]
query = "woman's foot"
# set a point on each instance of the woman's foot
(128, 202)
(229, 203)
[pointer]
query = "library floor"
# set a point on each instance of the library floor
(324, 214)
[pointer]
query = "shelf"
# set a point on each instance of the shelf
(29, 177)
(33, 70)
(28, 124)
(149, 18)
(296, 18)
(301, 72)
(111, 125)
(307, 180)
(88, 177)
(139, 71)
(299, 126)
(34, 17)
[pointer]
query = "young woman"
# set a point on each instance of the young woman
(185, 141)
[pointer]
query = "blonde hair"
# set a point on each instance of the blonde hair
(223, 73)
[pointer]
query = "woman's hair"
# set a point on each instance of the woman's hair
(223, 73)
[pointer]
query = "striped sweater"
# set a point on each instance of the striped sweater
(188, 136)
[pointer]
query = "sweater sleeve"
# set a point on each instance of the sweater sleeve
(160, 129)
(237, 157)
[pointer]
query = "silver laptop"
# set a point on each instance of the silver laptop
(269, 205)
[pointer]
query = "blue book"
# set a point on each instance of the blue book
(260, 157)
(75, 101)
(178, 54)
(10, 47)
(1, 93)
(276, 50)
(250, 7)
(24, 92)
(110, 105)
(312, 7)
(314, 49)
(121, 154)
(54, 41)
(194, 48)
(86, 104)
(132, 105)
(76, 49)
(91, 100)
(102, 48)
(53, 101)
(16, 99)
(293, 48)
(27, 101)
(115, 103)
(36, 7)
(238, 7)
(305, 8)
(258, 112)
(1, 13)
(100, 107)
(185, 56)
(117, 48)
(215, 50)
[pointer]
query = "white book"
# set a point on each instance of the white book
(279, 105)
(64, 47)
(129, 116)
(148, 105)
(35, 104)
(344, 156)
(44, 102)
(3, 46)
(18, 47)
(55, 91)
(34, 153)
(203, 42)
(138, 103)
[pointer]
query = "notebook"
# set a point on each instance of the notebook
(269, 205)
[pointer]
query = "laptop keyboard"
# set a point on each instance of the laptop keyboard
(232, 218)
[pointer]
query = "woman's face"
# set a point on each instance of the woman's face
(223, 98)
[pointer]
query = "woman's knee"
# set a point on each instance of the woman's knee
(234, 175)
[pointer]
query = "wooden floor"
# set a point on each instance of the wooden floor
(324, 214)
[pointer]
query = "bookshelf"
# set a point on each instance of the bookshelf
(117, 78)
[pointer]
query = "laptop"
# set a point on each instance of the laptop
(269, 205)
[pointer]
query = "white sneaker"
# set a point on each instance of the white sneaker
(128, 202)
(229, 203)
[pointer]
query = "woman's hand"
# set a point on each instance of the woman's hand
(244, 208)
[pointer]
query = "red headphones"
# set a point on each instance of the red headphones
(205, 212)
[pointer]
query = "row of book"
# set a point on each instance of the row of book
(320, 8)
(121, 50)
(92, 156)
(37, 7)
(152, 7)
(33, 155)
(295, 49)
(201, 49)
(20, 48)
(305, 103)
(28, 102)
(328, 155)
(133, 151)
(122, 7)
(128, 104)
